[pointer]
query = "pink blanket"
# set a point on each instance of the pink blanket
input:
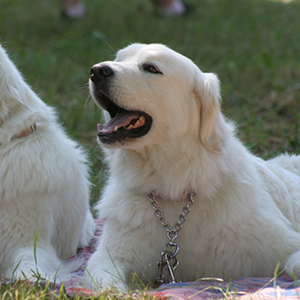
(283, 287)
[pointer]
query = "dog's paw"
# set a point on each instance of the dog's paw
(27, 270)
(293, 265)
(97, 281)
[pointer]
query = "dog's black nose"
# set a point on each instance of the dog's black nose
(100, 72)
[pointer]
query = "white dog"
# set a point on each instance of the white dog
(166, 139)
(44, 186)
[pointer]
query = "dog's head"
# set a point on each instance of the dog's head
(151, 93)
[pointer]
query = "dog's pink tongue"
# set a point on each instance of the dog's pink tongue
(122, 120)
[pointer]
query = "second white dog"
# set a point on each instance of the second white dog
(44, 186)
(165, 139)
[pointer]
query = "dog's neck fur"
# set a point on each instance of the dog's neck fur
(175, 165)
(170, 170)
(22, 119)
(25, 132)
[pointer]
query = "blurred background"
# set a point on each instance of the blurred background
(252, 45)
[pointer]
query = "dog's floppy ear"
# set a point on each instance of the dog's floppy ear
(207, 92)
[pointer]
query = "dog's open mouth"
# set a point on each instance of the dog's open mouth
(124, 124)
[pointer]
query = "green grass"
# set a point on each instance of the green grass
(253, 46)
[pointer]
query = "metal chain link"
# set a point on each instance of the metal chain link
(172, 233)
(163, 220)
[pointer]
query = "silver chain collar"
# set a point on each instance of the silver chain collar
(170, 250)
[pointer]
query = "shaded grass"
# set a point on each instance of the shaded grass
(253, 46)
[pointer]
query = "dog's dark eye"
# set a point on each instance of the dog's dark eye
(151, 69)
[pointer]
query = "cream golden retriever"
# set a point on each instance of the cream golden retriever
(44, 186)
(166, 139)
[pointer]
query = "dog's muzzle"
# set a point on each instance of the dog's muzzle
(124, 124)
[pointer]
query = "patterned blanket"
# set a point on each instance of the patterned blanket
(282, 287)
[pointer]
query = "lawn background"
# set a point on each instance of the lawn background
(253, 46)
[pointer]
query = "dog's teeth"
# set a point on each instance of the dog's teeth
(142, 119)
(116, 128)
(140, 122)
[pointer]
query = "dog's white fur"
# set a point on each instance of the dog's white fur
(246, 216)
(44, 184)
